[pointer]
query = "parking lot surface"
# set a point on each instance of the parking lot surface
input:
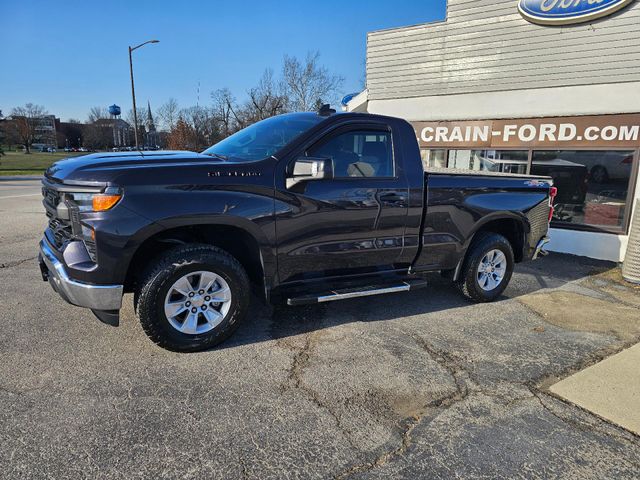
(417, 385)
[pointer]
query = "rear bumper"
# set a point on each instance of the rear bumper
(95, 297)
(540, 251)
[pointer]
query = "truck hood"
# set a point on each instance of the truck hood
(101, 167)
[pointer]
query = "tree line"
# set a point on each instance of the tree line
(299, 85)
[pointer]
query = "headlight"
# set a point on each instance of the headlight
(97, 202)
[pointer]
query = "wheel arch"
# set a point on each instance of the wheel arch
(247, 244)
(510, 225)
(513, 227)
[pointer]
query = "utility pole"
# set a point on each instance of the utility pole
(133, 89)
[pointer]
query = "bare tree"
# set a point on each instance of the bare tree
(225, 110)
(96, 137)
(25, 121)
(202, 124)
(168, 114)
(130, 119)
(96, 113)
(307, 83)
(304, 85)
(267, 99)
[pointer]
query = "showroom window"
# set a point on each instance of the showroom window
(505, 161)
(433, 158)
(593, 186)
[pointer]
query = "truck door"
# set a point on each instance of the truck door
(352, 222)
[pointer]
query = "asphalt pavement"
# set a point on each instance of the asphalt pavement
(415, 385)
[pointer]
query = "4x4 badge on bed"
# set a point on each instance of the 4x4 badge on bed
(536, 183)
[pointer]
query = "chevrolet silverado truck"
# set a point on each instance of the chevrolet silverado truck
(302, 208)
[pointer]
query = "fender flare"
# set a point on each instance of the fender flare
(520, 218)
(266, 252)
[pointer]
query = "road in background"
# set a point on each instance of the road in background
(14, 187)
(416, 385)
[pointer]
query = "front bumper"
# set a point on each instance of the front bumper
(95, 297)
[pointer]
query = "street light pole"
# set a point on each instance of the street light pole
(133, 89)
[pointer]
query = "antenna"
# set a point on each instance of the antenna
(326, 110)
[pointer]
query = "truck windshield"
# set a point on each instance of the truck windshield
(263, 139)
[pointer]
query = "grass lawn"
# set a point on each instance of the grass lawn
(18, 163)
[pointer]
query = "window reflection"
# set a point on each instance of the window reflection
(505, 161)
(592, 185)
(434, 158)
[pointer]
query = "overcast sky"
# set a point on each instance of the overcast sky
(71, 55)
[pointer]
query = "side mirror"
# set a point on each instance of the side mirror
(307, 169)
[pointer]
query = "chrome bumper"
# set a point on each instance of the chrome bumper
(540, 251)
(95, 297)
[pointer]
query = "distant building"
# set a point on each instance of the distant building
(151, 137)
(115, 132)
(45, 132)
(70, 134)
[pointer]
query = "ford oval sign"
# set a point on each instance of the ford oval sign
(562, 12)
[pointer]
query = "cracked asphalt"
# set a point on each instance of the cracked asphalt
(417, 385)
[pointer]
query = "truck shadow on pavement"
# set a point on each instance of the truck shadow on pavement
(267, 323)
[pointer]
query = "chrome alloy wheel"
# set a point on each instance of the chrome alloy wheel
(197, 302)
(491, 270)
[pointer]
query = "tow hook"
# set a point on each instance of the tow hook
(540, 251)
(44, 271)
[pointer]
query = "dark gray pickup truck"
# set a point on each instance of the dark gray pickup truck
(305, 207)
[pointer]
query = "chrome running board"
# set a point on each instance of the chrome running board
(344, 294)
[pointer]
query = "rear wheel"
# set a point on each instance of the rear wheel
(487, 269)
(599, 174)
(192, 298)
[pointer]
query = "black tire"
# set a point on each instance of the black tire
(468, 282)
(167, 269)
(599, 174)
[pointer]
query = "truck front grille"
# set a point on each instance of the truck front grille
(61, 230)
(51, 197)
(63, 214)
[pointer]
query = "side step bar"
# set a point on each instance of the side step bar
(343, 294)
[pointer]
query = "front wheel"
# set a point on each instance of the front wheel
(487, 269)
(192, 298)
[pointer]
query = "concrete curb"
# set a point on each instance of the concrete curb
(9, 178)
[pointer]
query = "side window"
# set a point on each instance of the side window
(359, 153)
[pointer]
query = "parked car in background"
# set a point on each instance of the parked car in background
(603, 166)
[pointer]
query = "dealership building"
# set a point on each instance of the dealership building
(547, 87)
